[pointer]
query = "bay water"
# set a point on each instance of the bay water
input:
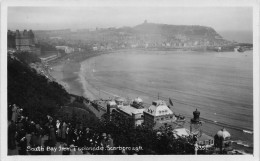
(219, 85)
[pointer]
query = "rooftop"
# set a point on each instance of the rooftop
(172, 123)
(131, 110)
(181, 132)
(49, 54)
(112, 103)
(159, 108)
(138, 100)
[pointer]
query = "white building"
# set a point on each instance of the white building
(158, 112)
(49, 56)
(95, 48)
(66, 49)
(134, 111)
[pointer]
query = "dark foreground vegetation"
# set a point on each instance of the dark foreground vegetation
(34, 92)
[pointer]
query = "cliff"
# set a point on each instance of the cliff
(196, 32)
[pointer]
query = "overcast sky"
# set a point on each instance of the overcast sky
(220, 18)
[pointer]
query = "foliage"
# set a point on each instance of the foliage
(125, 134)
(31, 91)
(27, 57)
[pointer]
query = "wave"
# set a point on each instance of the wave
(248, 132)
(239, 151)
(243, 143)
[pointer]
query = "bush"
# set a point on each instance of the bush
(31, 91)
(27, 57)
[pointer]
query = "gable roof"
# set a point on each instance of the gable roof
(159, 108)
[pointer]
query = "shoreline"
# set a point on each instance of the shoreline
(83, 78)
(80, 80)
(72, 75)
(67, 73)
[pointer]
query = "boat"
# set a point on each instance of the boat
(240, 49)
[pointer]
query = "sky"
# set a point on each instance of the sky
(45, 18)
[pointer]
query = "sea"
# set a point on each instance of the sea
(218, 84)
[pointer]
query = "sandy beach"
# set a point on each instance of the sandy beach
(66, 74)
(73, 75)
(57, 74)
(77, 76)
(85, 74)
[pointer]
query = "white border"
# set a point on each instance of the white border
(129, 3)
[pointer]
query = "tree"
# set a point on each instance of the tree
(27, 57)
(33, 92)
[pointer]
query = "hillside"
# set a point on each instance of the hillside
(142, 35)
(192, 32)
(36, 94)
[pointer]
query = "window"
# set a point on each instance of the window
(154, 103)
(162, 118)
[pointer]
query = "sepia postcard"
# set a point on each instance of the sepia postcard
(119, 78)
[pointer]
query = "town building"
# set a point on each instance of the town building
(66, 49)
(196, 124)
(49, 56)
(23, 41)
(158, 113)
(111, 105)
(95, 48)
(134, 110)
(11, 40)
(204, 141)
(138, 103)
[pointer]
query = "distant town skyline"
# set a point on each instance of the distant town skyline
(48, 18)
